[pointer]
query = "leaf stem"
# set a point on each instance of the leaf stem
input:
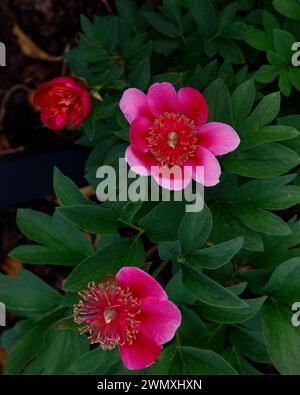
(140, 230)
(162, 265)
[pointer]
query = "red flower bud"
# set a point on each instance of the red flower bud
(63, 102)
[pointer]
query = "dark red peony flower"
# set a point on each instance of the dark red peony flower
(63, 102)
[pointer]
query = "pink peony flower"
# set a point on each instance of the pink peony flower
(63, 102)
(133, 313)
(169, 129)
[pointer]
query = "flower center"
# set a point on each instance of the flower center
(172, 139)
(64, 100)
(109, 313)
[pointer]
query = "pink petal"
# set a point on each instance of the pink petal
(140, 283)
(40, 94)
(86, 103)
(68, 81)
(142, 353)
(160, 319)
(192, 104)
(139, 162)
(162, 97)
(58, 122)
(180, 180)
(212, 169)
(139, 129)
(134, 104)
(218, 138)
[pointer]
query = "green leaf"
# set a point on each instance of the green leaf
(140, 75)
(177, 292)
(282, 338)
(205, 17)
(265, 134)
(73, 239)
(284, 283)
(165, 47)
(37, 227)
(276, 60)
(194, 230)
(69, 345)
(44, 255)
(294, 77)
(191, 324)
(127, 252)
(88, 28)
(250, 343)
(27, 294)
(28, 346)
(95, 361)
(169, 250)
(283, 42)
(67, 191)
(285, 85)
(94, 219)
(272, 193)
(242, 100)
(288, 8)
(256, 279)
(51, 231)
(167, 230)
(267, 110)
(262, 221)
(161, 24)
(190, 360)
(127, 10)
(239, 288)
(259, 40)
(270, 22)
(239, 363)
(264, 161)
(12, 335)
(89, 124)
(228, 49)
(107, 31)
(279, 249)
(216, 256)
(227, 226)
(230, 315)
(226, 17)
(208, 291)
(266, 74)
(219, 102)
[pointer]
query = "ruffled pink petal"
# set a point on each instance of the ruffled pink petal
(179, 180)
(162, 97)
(159, 318)
(140, 163)
(140, 283)
(193, 105)
(218, 138)
(134, 104)
(211, 167)
(139, 129)
(142, 353)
